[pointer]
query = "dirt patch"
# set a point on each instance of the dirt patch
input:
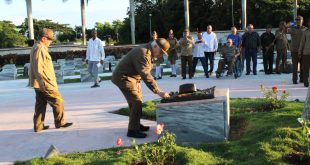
(238, 126)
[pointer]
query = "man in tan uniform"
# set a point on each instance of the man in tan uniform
(296, 33)
(137, 65)
(42, 79)
(304, 51)
(186, 44)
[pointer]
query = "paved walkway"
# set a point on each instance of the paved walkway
(94, 127)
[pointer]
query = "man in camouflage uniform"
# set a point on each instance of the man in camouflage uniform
(186, 44)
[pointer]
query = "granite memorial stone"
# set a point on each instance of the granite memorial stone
(198, 121)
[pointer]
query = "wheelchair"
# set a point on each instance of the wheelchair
(237, 67)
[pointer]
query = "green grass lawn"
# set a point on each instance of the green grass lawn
(256, 138)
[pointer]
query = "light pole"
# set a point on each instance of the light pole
(232, 13)
(150, 20)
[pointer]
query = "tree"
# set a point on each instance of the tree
(9, 36)
(63, 31)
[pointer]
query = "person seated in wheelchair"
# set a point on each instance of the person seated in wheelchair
(229, 54)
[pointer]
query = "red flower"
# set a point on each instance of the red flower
(162, 125)
(274, 88)
(284, 91)
(159, 128)
(119, 142)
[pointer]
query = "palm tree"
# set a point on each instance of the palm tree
(132, 20)
(83, 4)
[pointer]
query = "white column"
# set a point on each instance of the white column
(244, 13)
(186, 12)
(83, 15)
(30, 19)
(132, 21)
(295, 9)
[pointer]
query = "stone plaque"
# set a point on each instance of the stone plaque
(85, 76)
(9, 72)
(198, 121)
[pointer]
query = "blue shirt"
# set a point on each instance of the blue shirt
(235, 38)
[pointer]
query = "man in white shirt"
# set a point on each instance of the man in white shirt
(94, 55)
(198, 53)
(211, 47)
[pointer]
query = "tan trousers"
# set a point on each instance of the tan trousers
(131, 89)
(54, 99)
(295, 61)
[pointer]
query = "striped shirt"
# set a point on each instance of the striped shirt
(250, 41)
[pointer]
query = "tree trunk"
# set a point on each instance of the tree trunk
(30, 19)
(83, 3)
(306, 112)
(132, 21)
(244, 14)
(186, 12)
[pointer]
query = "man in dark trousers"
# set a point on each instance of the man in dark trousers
(296, 32)
(251, 44)
(42, 78)
(186, 44)
(304, 51)
(267, 42)
(137, 65)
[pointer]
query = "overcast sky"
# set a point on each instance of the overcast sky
(65, 12)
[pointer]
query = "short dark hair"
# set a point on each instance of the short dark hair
(269, 26)
(199, 31)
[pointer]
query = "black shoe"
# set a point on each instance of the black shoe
(306, 84)
(171, 75)
(247, 73)
(159, 78)
(295, 82)
(45, 127)
(184, 78)
(144, 128)
(190, 77)
(207, 76)
(95, 86)
(64, 125)
(255, 73)
(136, 134)
(278, 73)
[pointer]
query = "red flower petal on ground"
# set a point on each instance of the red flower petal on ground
(159, 129)
(119, 142)
(274, 88)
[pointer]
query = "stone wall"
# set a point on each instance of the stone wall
(20, 56)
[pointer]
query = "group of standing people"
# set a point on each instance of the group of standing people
(201, 47)
(299, 47)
